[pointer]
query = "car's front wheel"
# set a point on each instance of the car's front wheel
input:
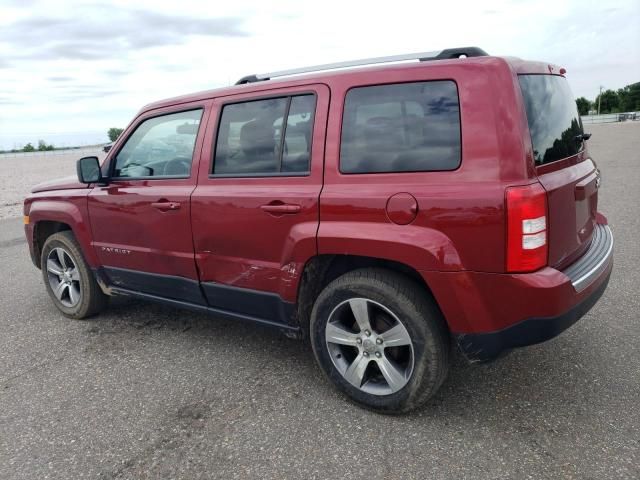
(68, 279)
(380, 339)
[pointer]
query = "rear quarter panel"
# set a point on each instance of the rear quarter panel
(460, 220)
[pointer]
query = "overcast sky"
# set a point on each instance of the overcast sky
(69, 70)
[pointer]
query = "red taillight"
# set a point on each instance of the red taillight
(527, 242)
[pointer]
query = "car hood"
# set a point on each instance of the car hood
(65, 183)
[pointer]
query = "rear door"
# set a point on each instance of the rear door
(563, 165)
(255, 210)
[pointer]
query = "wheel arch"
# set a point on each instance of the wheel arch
(321, 270)
(43, 230)
(50, 216)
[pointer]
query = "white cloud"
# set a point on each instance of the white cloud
(79, 68)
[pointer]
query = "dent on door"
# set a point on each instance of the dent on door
(253, 232)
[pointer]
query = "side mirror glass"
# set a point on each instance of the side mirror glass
(88, 169)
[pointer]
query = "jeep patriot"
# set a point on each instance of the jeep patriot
(388, 210)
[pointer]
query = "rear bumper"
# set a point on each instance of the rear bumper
(482, 347)
(591, 265)
(490, 314)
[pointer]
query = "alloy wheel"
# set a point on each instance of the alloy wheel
(369, 346)
(64, 277)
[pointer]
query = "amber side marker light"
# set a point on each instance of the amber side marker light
(25, 219)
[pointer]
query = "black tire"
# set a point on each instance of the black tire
(414, 308)
(92, 299)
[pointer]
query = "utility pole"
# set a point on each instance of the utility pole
(600, 98)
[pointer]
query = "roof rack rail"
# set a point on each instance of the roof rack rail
(422, 57)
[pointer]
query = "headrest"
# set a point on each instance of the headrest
(257, 137)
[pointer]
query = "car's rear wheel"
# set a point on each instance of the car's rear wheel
(68, 279)
(380, 339)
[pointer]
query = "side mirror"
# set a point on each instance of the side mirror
(88, 169)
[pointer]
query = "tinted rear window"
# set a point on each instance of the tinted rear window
(553, 117)
(408, 127)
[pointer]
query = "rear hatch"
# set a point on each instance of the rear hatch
(563, 165)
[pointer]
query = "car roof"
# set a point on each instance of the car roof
(518, 65)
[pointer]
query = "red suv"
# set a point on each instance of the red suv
(386, 213)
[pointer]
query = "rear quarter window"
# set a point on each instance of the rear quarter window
(408, 127)
(552, 115)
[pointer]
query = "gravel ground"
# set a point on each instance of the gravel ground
(146, 391)
(19, 173)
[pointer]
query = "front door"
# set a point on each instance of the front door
(255, 210)
(141, 220)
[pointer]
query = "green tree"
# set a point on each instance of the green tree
(623, 99)
(583, 105)
(629, 97)
(28, 148)
(634, 96)
(42, 146)
(609, 102)
(114, 133)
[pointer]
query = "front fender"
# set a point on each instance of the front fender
(421, 248)
(71, 211)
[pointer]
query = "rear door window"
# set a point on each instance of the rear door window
(552, 114)
(265, 137)
(296, 149)
(408, 127)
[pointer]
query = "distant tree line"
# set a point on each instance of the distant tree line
(625, 99)
(41, 147)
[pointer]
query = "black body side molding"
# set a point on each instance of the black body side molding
(249, 302)
(168, 286)
(223, 301)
